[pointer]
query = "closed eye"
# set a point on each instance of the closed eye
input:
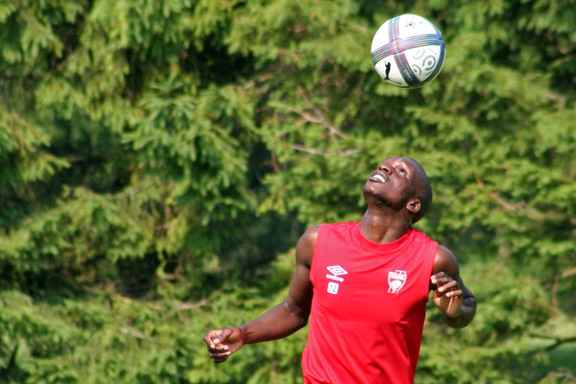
(403, 172)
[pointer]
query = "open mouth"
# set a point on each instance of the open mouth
(378, 177)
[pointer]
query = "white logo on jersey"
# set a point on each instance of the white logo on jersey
(337, 270)
(333, 288)
(396, 281)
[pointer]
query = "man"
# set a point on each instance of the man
(364, 287)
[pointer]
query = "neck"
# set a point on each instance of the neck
(379, 228)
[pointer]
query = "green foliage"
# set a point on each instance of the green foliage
(159, 158)
(92, 339)
(495, 348)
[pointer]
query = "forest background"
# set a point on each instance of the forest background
(159, 160)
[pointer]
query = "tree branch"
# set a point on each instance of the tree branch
(557, 341)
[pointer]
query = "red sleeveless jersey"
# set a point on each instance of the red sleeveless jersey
(368, 307)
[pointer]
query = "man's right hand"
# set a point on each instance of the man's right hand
(223, 342)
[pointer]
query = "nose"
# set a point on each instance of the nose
(384, 168)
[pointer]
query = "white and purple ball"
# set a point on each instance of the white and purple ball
(408, 51)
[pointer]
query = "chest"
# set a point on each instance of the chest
(385, 290)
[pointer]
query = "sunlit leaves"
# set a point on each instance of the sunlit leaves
(141, 140)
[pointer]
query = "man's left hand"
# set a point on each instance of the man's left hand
(447, 296)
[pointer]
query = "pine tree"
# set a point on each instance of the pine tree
(158, 159)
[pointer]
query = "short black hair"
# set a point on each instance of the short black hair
(424, 193)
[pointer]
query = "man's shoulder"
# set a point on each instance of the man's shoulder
(306, 245)
(341, 226)
(418, 234)
(446, 261)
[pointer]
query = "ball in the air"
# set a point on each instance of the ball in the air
(408, 51)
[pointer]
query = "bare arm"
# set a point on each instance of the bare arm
(292, 314)
(281, 320)
(451, 296)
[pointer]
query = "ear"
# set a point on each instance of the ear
(413, 205)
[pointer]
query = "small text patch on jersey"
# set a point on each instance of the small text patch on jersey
(333, 288)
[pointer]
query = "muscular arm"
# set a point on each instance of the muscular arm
(292, 314)
(281, 320)
(451, 296)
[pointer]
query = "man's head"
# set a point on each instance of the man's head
(400, 183)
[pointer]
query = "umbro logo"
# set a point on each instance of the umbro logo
(337, 270)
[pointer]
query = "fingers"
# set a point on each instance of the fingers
(211, 336)
(450, 289)
(214, 339)
(219, 355)
(446, 285)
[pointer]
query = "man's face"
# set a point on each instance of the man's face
(394, 182)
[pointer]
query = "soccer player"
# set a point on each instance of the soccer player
(364, 287)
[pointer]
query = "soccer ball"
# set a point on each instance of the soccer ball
(408, 51)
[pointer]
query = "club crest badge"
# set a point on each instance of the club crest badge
(396, 281)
